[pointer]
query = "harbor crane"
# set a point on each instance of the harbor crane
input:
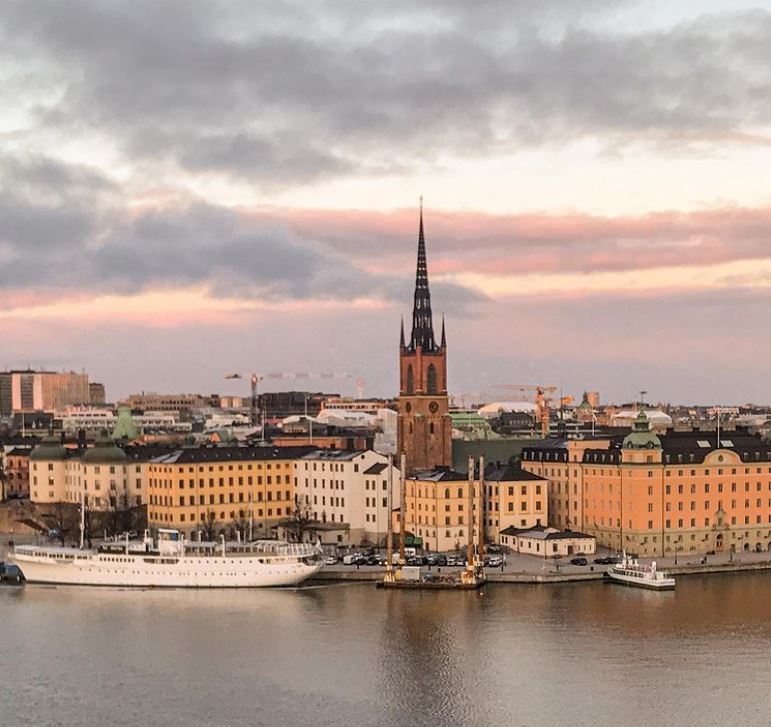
(256, 378)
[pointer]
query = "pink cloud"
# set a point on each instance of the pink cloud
(537, 242)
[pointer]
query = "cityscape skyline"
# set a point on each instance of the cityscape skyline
(594, 212)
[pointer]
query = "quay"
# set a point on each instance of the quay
(373, 574)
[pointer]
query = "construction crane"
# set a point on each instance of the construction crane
(542, 400)
(280, 375)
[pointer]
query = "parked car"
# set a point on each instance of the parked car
(579, 561)
(350, 559)
(441, 560)
(330, 560)
(494, 562)
(494, 548)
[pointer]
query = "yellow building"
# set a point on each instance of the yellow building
(229, 485)
(513, 498)
(437, 507)
(104, 476)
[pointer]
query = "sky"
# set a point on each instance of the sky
(192, 189)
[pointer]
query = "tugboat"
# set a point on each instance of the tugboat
(631, 572)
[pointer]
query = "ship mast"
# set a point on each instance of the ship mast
(82, 518)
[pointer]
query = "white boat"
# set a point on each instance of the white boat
(170, 562)
(633, 573)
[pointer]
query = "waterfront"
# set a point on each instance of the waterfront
(590, 654)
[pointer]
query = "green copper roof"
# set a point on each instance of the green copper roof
(125, 428)
(49, 449)
(641, 436)
(105, 451)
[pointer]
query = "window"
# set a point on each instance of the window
(431, 385)
(410, 380)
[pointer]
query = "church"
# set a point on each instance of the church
(424, 426)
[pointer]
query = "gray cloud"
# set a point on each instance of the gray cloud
(65, 228)
(277, 92)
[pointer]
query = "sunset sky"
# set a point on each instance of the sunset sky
(193, 189)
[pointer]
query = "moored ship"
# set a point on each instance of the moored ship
(631, 572)
(170, 561)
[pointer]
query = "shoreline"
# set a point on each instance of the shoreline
(531, 578)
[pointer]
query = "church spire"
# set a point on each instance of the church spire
(422, 320)
(443, 344)
(402, 343)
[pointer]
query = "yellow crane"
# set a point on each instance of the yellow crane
(541, 398)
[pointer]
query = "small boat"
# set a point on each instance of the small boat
(631, 572)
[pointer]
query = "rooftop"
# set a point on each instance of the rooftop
(194, 455)
(509, 473)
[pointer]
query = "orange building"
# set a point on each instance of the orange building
(559, 461)
(679, 492)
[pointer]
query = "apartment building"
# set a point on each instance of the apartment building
(188, 487)
(348, 487)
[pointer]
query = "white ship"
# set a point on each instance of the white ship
(171, 562)
(633, 573)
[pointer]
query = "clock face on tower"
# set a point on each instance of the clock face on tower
(433, 407)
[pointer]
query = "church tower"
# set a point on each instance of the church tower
(424, 427)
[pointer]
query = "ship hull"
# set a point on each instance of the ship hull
(156, 572)
(665, 584)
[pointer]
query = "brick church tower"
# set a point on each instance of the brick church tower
(424, 427)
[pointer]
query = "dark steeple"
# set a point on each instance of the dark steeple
(422, 321)
(402, 343)
(443, 344)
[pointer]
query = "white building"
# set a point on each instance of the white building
(348, 487)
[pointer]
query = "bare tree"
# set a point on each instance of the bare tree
(3, 481)
(87, 513)
(300, 520)
(61, 520)
(240, 525)
(209, 526)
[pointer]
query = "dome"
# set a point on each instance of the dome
(585, 405)
(49, 449)
(641, 436)
(105, 451)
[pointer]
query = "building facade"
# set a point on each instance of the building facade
(679, 492)
(437, 504)
(559, 462)
(231, 486)
(348, 487)
(28, 391)
(103, 477)
(513, 498)
(547, 542)
(424, 429)
(16, 469)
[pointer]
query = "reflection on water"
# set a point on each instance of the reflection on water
(511, 655)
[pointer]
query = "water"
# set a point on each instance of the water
(352, 655)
